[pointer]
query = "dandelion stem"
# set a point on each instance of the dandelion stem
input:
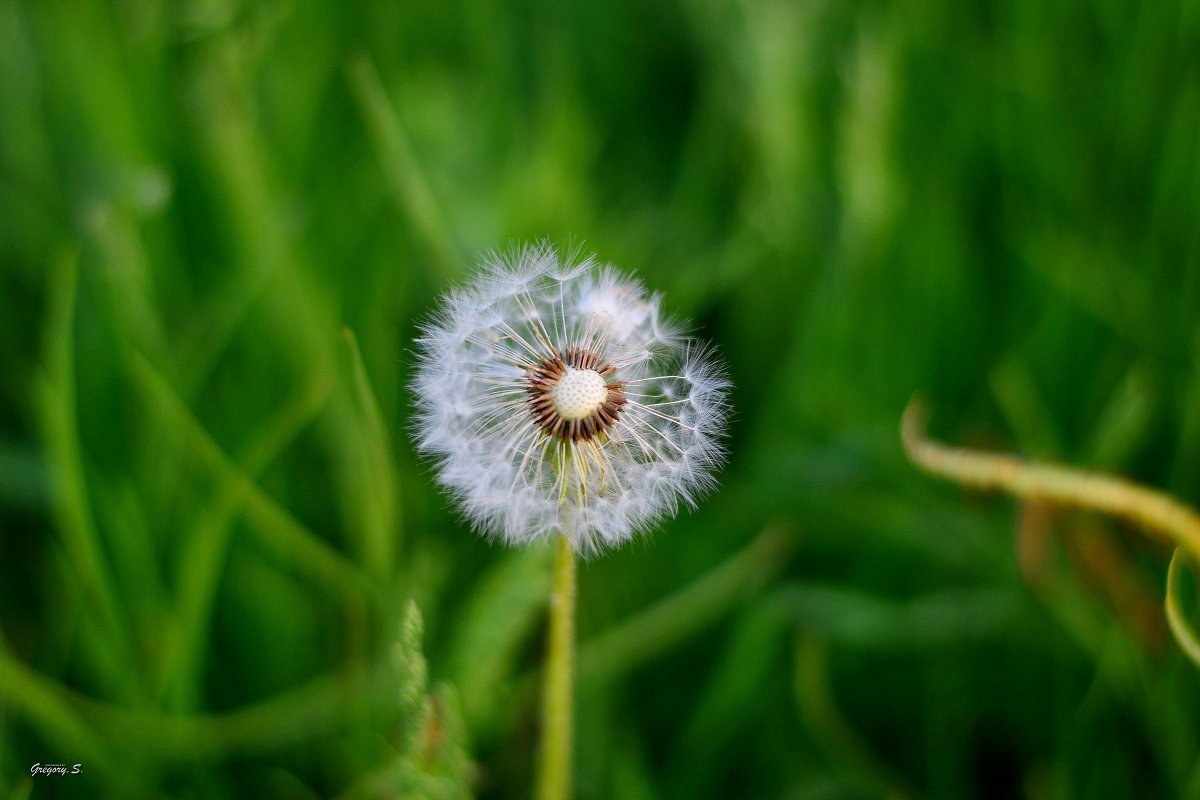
(554, 775)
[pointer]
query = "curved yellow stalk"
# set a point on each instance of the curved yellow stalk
(1145, 507)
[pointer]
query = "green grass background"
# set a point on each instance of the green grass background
(221, 221)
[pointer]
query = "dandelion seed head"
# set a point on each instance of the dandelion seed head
(555, 397)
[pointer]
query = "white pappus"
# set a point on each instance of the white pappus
(555, 397)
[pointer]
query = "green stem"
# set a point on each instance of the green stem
(554, 775)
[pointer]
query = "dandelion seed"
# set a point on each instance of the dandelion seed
(556, 397)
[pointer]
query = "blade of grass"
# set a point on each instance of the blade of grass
(240, 162)
(277, 528)
(56, 398)
(120, 512)
(1125, 420)
(1016, 393)
(504, 609)
(840, 742)
(268, 725)
(45, 704)
(750, 653)
(668, 622)
(203, 554)
(379, 508)
(408, 182)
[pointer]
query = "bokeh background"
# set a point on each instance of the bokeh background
(224, 572)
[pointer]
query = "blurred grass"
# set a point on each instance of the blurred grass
(220, 222)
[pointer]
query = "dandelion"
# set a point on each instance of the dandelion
(558, 399)
(560, 403)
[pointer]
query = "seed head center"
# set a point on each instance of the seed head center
(579, 393)
(571, 395)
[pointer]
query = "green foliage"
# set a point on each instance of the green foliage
(504, 610)
(430, 761)
(221, 222)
